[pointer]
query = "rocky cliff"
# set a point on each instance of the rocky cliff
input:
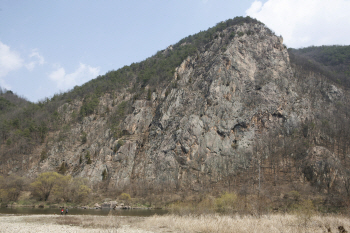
(233, 107)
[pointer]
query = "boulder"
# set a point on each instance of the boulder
(106, 205)
(113, 204)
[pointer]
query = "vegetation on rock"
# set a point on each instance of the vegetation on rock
(210, 115)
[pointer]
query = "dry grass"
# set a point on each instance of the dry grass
(223, 224)
(174, 223)
(101, 222)
(85, 221)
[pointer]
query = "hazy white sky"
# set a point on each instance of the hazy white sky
(305, 22)
(51, 46)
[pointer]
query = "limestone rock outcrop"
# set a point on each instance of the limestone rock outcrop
(196, 132)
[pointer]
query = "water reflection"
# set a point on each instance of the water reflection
(103, 212)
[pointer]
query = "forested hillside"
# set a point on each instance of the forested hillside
(333, 61)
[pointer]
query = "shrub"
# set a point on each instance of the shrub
(206, 206)
(3, 195)
(149, 94)
(120, 143)
(234, 145)
(226, 202)
(90, 103)
(104, 174)
(304, 211)
(44, 184)
(295, 195)
(124, 196)
(11, 187)
(88, 158)
(121, 108)
(83, 137)
(63, 168)
(116, 132)
(43, 155)
(83, 192)
(250, 33)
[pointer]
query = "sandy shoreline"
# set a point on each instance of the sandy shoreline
(57, 223)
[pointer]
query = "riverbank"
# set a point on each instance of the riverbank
(69, 224)
(173, 223)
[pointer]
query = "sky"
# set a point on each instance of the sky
(48, 47)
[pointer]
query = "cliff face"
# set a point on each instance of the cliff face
(205, 127)
(196, 132)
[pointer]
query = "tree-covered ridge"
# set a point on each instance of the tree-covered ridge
(333, 61)
(8, 100)
(156, 69)
(5, 104)
(328, 55)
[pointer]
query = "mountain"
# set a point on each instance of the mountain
(228, 109)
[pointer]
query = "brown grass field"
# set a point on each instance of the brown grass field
(175, 223)
(266, 223)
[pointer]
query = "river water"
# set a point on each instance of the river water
(103, 212)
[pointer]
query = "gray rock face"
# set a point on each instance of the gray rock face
(207, 123)
(203, 130)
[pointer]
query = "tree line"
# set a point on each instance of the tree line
(48, 185)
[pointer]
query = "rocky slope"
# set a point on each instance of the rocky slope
(202, 129)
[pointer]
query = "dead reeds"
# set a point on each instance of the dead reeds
(239, 223)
